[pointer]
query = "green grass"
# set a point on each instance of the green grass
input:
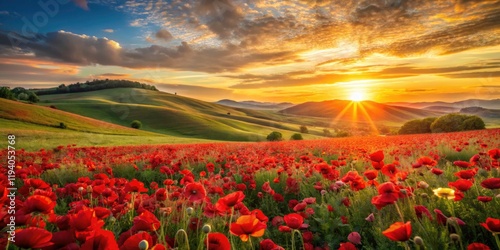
(175, 115)
(32, 137)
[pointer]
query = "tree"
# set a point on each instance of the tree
(303, 129)
(32, 97)
(62, 125)
(326, 132)
(136, 124)
(473, 123)
(448, 123)
(22, 96)
(296, 137)
(274, 136)
(6, 93)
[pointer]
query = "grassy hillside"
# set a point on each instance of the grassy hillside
(362, 111)
(175, 115)
(49, 117)
(36, 127)
(33, 137)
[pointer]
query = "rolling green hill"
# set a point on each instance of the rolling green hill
(176, 115)
(36, 127)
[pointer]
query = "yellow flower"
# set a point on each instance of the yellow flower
(445, 193)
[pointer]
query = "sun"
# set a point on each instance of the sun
(356, 96)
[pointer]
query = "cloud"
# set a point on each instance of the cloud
(82, 4)
(90, 50)
(164, 35)
(27, 71)
(483, 74)
(108, 30)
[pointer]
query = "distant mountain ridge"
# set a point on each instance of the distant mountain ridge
(359, 111)
(255, 104)
(489, 104)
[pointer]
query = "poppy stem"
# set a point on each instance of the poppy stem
(183, 232)
(230, 220)
(407, 247)
(293, 238)
(497, 240)
(399, 211)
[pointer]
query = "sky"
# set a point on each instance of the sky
(275, 51)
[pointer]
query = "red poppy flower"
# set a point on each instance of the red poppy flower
(388, 194)
(84, 223)
(427, 161)
(370, 174)
(492, 224)
(161, 194)
(135, 186)
(491, 183)
(466, 174)
(437, 171)
(61, 239)
(33, 237)
(195, 192)
(422, 210)
(398, 231)
(246, 226)
(461, 184)
(347, 246)
(377, 156)
(268, 244)
(102, 240)
(294, 221)
(146, 221)
(225, 203)
(132, 243)
(39, 203)
(389, 170)
(462, 164)
(494, 154)
(484, 198)
(478, 246)
(218, 241)
(440, 217)
(260, 215)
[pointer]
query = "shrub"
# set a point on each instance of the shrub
(326, 132)
(417, 126)
(448, 123)
(274, 136)
(342, 133)
(473, 123)
(296, 137)
(304, 129)
(136, 124)
(62, 125)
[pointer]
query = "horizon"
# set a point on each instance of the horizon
(298, 51)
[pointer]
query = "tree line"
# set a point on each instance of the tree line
(93, 85)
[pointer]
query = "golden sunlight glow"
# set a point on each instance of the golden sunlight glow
(356, 96)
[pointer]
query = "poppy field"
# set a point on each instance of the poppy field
(439, 191)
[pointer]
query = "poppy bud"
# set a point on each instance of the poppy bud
(454, 237)
(143, 245)
(190, 211)
(418, 241)
(424, 195)
(206, 228)
(80, 189)
(403, 191)
(423, 184)
(112, 219)
(370, 218)
(89, 189)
